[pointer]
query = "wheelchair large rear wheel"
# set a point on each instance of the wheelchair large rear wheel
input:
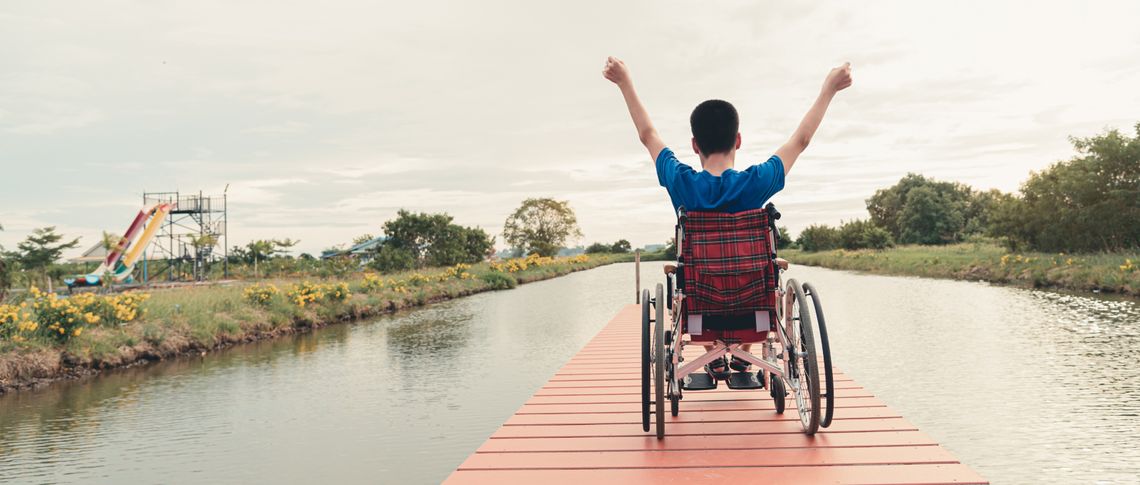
(659, 361)
(802, 366)
(645, 359)
(825, 346)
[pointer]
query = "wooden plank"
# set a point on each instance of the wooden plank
(689, 416)
(584, 425)
(857, 474)
(719, 442)
(698, 429)
(797, 457)
(706, 406)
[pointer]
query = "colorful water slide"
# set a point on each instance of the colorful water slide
(120, 261)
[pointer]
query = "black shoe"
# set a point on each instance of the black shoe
(739, 365)
(718, 369)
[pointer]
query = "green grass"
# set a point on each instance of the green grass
(200, 318)
(987, 261)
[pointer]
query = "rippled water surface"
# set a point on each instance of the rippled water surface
(1024, 386)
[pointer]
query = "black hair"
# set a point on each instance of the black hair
(715, 125)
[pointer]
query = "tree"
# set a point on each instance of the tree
(42, 248)
(621, 246)
(1088, 203)
(928, 217)
(541, 226)
(598, 248)
(888, 210)
(262, 250)
(363, 238)
(416, 240)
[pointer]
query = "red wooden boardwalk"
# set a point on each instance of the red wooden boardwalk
(584, 428)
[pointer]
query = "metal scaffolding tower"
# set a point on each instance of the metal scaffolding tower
(191, 233)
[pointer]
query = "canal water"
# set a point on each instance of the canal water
(1024, 386)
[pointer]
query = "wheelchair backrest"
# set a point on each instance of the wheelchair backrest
(726, 262)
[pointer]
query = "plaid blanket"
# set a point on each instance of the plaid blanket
(728, 263)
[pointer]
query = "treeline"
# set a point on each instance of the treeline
(1088, 203)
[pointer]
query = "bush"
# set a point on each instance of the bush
(499, 281)
(818, 237)
(863, 234)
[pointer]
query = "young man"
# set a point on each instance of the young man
(716, 137)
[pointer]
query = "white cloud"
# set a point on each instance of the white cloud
(326, 117)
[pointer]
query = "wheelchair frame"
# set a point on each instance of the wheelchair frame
(788, 358)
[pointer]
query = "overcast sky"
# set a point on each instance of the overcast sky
(327, 117)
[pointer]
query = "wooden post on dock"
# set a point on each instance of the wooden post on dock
(637, 269)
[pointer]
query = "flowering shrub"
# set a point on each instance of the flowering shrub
(515, 265)
(337, 292)
(372, 283)
(63, 318)
(307, 293)
(458, 271)
(260, 293)
(15, 321)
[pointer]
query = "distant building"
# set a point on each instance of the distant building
(363, 251)
(650, 248)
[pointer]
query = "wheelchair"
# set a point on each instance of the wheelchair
(725, 293)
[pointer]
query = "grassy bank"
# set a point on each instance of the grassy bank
(47, 337)
(1104, 272)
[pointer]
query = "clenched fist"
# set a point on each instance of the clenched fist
(838, 79)
(616, 71)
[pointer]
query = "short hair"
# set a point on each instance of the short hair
(715, 125)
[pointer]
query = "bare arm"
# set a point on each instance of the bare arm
(837, 80)
(616, 71)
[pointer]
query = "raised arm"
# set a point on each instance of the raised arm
(837, 80)
(616, 71)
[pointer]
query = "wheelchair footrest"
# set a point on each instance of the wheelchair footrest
(743, 380)
(698, 381)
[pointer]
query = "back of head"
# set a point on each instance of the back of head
(715, 125)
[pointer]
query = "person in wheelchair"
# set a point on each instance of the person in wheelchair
(718, 186)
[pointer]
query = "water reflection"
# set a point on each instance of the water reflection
(1025, 386)
(401, 399)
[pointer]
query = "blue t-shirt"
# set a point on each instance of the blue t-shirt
(732, 191)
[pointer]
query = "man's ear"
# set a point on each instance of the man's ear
(738, 140)
(696, 149)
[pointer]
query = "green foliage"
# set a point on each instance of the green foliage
(1088, 203)
(598, 248)
(541, 226)
(671, 248)
(930, 217)
(785, 239)
(417, 240)
(818, 237)
(856, 234)
(498, 280)
(925, 211)
(43, 247)
(620, 247)
(863, 234)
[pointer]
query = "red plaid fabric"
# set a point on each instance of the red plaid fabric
(728, 267)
